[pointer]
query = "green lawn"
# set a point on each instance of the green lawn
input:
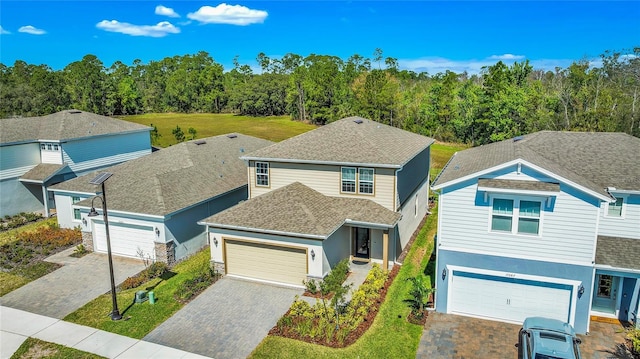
(273, 128)
(441, 153)
(35, 348)
(141, 318)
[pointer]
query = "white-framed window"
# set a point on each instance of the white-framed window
(614, 209)
(516, 216)
(75, 200)
(348, 180)
(262, 174)
(76, 211)
(55, 147)
(43, 146)
(365, 180)
(49, 147)
(357, 180)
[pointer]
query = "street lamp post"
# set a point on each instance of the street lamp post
(100, 180)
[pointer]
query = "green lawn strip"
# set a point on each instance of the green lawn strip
(442, 152)
(390, 335)
(11, 235)
(36, 348)
(142, 317)
(273, 128)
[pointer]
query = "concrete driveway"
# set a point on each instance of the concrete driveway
(228, 320)
(448, 336)
(68, 288)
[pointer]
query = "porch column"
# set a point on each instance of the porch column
(385, 250)
(45, 199)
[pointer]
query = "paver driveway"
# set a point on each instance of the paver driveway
(448, 336)
(228, 320)
(66, 289)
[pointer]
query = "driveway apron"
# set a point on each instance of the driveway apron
(228, 320)
(68, 288)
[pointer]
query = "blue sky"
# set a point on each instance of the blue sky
(423, 35)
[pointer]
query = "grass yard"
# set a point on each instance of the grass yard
(141, 318)
(35, 348)
(441, 153)
(273, 128)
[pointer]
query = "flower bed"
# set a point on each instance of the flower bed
(320, 324)
(32, 247)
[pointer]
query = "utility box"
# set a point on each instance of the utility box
(141, 296)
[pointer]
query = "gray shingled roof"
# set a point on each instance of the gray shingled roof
(595, 160)
(173, 178)
(298, 209)
(348, 142)
(618, 252)
(63, 125)
(41, 172)
(517, 184)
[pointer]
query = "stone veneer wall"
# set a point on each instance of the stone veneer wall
(165, 252)
(87, 241)
(219, 268)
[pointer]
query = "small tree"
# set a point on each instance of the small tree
(178, 134)
(419, 293)
(192, 131)
(155, 135)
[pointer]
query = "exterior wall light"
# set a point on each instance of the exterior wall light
(215, 241)
(84, 222)
(580, 291)
(157, 232)
(313, 255)
(444, 273)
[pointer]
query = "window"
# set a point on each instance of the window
(365, 179)
(262, 174)
(615, 209)
(348, 179)
(55, 147)
(502, 215)
(75, 200)
(516, 216)
(529, 217)
(43, 146)
(48, 147)
(76, 214)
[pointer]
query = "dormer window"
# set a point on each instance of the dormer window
(262, 174)
(50, 147)
(615, 208)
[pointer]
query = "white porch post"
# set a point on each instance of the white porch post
(45, 199)
(636, 303)
(385, 250)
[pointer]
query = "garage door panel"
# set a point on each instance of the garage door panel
(126, 240)
(508, 299)
(266, 262)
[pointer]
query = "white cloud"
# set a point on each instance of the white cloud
(3, 31)
(159, 30)
(434, 65)
(228, 14)
(166, 11)
(31, 30)
(506, 57)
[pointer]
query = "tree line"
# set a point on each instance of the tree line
(501, 102)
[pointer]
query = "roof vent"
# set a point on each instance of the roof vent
(241, 150)
(200, 142)
(232, 135)
(74, 111)
(518, 138)
(358, 121)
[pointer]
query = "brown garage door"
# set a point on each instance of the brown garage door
(266, 262)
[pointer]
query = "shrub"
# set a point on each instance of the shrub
(190, 288)
(634, 338)
(311, 286)
(155, 270)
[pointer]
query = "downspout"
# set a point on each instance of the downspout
(437, 249)
(396, 199)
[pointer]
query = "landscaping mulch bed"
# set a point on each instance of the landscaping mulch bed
(355, 334)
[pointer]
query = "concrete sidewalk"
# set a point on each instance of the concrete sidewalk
(17, 325)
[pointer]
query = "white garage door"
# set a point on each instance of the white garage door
(266, 262)
(126, 239)
(508, 299)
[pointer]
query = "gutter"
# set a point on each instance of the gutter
(316, 162)
(260, 230)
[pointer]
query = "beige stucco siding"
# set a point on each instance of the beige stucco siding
(324, 179)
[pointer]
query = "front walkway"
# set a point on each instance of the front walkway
(228, 320)
(17, 325)
(448, 336)
(68, 288)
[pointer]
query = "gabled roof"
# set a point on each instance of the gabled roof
(299, 210)
(41, 173)
(174, 178)
(593, 160)
(350, 141)
(618, 252)
(62, 126)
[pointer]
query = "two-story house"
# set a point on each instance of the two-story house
(546, 224)
(154, 202)
(36, 152)
(354, 189)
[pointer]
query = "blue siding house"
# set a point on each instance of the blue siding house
(546, 224)
(38, 152)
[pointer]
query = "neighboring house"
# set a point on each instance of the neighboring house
(353, 188)
(154, 202)
(36, 152)
(546, 224)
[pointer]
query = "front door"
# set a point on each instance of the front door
(361, 243)
(606, 294)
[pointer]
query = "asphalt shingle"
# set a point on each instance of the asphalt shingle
(618, 252)
(298, 209)
(517, 184)
(173, 178)
(352, 140)
(41, 172)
